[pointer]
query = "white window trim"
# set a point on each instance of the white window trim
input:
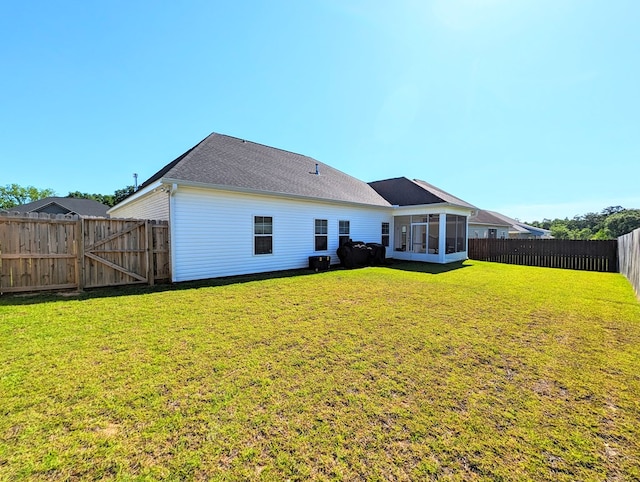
(315, 235)
(253, 228)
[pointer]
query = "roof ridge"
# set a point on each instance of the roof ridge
(268, 147)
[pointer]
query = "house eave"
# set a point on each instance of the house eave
(223, 187)
(489, 224)
(442, 205)
(136, 195)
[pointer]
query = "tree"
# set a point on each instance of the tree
(560, 231)
(603, 234)
(120, 194)
(623, 222)
(584, 233)
(13, 195)
(612, 210)
(106, 199)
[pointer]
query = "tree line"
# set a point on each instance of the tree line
(609, 223)
(13, 195)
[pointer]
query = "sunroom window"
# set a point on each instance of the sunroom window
(456, 241)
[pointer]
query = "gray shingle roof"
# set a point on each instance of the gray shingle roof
(225, 161)
(517, 226)
(485, 217)
(63, 205)
(401, 191)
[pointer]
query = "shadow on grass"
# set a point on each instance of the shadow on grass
(18, 299)
(430, 268)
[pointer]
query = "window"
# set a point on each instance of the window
(456, 233)
(343, 232)
(263, 235)
(493, 233)
(385, 234)
(321, 234)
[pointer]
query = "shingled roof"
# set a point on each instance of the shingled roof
(224, 161)
(485, 217)
(401, 191)
(63, 205)
(518, 227)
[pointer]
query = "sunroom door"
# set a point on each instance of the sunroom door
(419, 238)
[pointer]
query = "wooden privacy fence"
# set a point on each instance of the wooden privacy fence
(549, 253)
(52, 252)
(629, 258)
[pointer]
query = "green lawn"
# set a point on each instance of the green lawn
(414, 372)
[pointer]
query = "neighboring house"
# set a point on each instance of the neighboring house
(238, 207)
(63, 205)
(520, 230)
(484, 224)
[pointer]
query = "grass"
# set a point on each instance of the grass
(486, 372)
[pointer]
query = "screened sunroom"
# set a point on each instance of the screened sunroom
(428, 224)
(434, 237)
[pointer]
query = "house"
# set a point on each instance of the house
(520, 230)
(239, 207)
(63, 205)
(484, 224)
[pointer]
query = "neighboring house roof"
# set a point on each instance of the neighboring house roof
(401, 191)
(63, 205)
(485, 217)
(522, 228)
(228, 162)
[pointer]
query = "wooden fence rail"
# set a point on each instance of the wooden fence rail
(629, 258)
(549, 253)
(53, 252)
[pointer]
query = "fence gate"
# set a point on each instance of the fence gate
(51, 252)
(116, 252)
(38, 254)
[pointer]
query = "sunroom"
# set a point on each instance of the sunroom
(436, 237)
(429, 224)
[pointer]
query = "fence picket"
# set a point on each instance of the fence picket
(629, 258)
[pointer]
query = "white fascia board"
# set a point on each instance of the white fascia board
(432, 208)
(137, 195)
(222, 187)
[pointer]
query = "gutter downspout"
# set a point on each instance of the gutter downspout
(172, 191)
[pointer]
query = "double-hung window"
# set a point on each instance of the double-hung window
(321, 233)
(262, 235)
(385, 234)
(343, 232)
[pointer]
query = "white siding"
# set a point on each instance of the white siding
(482, 231)
(212, 231)
(154, 205)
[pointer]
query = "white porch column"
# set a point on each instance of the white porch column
(442, 242)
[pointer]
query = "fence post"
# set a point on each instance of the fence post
(80, 254)
(148, 227)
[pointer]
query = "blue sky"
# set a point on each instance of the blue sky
(530, 108)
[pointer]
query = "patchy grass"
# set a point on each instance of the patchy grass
(486, 372)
